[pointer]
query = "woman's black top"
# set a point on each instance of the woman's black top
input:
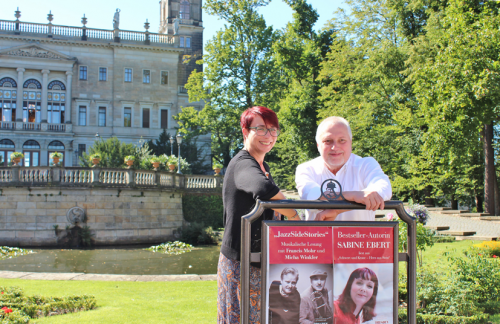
(244, 183)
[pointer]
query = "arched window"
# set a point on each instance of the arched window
(32, 101)
(31, 151)
(8, 96)
(56, 146)
(56, 102)
(185, 9)
(7, 147)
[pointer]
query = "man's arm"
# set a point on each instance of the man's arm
(306, 313)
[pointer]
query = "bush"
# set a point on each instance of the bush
(25, 308)
(483, 276)
(197, 233)
(171, 248)
(442, 319)
(207, 210)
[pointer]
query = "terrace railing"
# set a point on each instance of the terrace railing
(106, 178)
(86, 34)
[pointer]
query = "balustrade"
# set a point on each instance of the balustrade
(56, 127)
(7, 125)
(103, 177)
(35, 174)
(90, 33)
(32, 126)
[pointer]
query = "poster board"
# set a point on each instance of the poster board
(335, 262)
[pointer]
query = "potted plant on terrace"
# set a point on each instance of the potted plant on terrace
(129, 160)
(56, 156)
(217, 166)
(172, 162)
(16, 157)
(155, 161)
(96, 158)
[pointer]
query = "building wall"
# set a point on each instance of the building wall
(28, 215)
(46, 59)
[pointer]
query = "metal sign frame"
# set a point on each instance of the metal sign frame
(410, 257)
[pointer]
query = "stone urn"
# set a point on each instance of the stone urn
(55, 160)
(171, 167)
(129, 163)
(217, 171)
(156, 165)
(96, 161)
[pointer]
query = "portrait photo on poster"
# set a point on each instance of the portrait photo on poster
(363, 293)
(299, 293)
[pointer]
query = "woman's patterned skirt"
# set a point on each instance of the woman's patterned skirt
(228, 286)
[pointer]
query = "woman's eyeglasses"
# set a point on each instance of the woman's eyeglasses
(262, 131)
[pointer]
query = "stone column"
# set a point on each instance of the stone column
(19, 100)
(45, 76)
(67, 108)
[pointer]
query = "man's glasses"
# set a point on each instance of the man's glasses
(262, 131)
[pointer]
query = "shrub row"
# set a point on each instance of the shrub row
(442, 319)
(25, 308)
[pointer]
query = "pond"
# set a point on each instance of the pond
(129, 260)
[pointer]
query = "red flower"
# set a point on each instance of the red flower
(479, 254)
(495, 256)
(6, 310)
(2, 292)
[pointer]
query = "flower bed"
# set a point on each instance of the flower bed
(17, 308)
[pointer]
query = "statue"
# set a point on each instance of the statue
(176, 25)
(116, 19)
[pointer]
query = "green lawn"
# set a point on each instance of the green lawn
(167, 302)
(130, 302)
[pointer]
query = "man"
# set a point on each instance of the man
(362, 179)
(314, 303)
(284, 299)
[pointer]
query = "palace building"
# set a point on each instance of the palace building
(62, 87)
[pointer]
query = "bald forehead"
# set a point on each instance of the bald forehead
(336, 128)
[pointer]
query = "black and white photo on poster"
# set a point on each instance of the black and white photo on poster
(300, 293)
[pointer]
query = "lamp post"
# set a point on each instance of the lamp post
(179, 142)
(172, 140)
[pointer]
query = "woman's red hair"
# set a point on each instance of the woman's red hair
(267, 115)
(345, 301)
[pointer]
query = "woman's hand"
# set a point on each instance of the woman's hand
(329, 214)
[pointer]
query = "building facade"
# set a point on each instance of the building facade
(61, 87)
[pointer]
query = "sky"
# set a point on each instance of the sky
(133, 14)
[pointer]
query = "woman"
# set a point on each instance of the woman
(247, 179)
(357, 302)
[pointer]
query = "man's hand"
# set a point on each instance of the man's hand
(371, 199)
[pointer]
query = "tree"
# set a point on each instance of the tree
(368, 86)
(239, 72)
(457, 73)
(189, 150)
(112, 153)
(298, 51)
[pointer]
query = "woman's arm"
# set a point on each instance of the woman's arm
(291, 214)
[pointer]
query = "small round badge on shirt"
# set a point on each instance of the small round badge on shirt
(331, 190)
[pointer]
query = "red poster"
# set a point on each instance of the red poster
(305, 244)
(337, 268)
(363, 244)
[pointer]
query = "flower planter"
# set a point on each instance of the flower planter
(16, 161)
(55, 160)
(156, 165)
(217, 171)
(129, 163)
(171, 167)
(96, 161)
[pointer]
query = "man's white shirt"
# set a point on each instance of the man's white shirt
(356, 174)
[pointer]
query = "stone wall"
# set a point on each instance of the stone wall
(115, 216)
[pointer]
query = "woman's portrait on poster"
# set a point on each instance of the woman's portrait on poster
(357, 302)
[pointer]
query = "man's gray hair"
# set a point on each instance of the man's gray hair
(291, 270)
(329, 122)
